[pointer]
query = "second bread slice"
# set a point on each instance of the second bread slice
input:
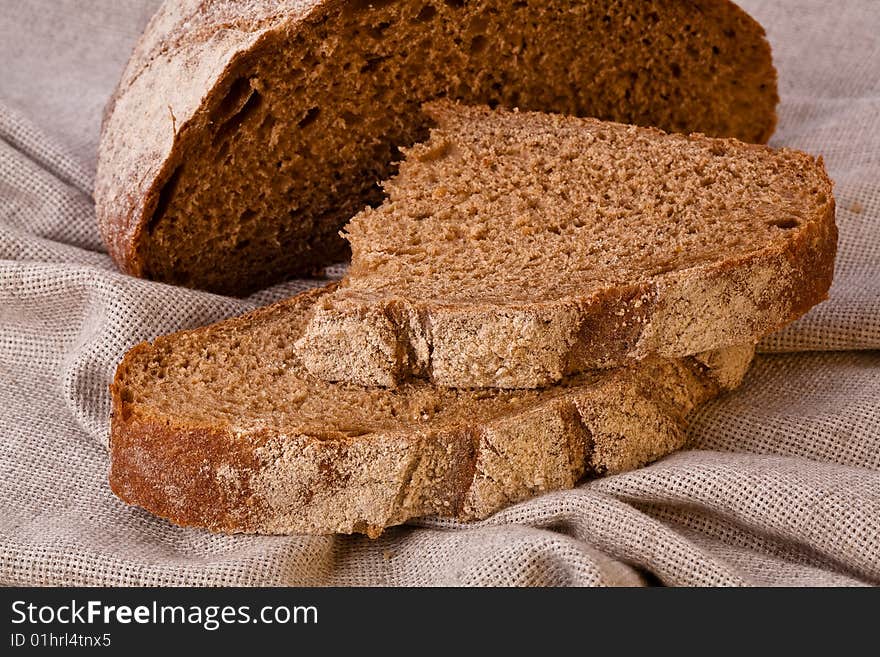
(517, 248)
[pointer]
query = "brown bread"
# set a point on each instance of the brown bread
(244, 134)
(222, 427)
(517, 248)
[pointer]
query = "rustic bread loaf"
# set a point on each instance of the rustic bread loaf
(243, 135)
(222, 427)
(516, 248)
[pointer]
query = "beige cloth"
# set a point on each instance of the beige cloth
(782, 486)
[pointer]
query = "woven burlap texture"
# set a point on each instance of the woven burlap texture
(781, 488)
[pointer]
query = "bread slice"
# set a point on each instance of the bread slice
(518, 248)
(243, 135)
(221, 427)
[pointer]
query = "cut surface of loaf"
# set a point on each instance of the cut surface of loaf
(516, 248)
(243, 135)
(222, 427)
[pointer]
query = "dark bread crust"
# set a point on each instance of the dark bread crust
(190, 56)
(209, 474)
(186, 491)
(171, 471)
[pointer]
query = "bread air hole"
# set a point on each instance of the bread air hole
(234, 122)
(239, 93)
(478, 44)
(373, 62)
(426, 14)
(785, 223)
(165, 197)
(378, 31)
(309, 118)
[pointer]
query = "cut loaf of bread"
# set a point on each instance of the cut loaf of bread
(243, 135)
(516, 248)
(222, 427)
